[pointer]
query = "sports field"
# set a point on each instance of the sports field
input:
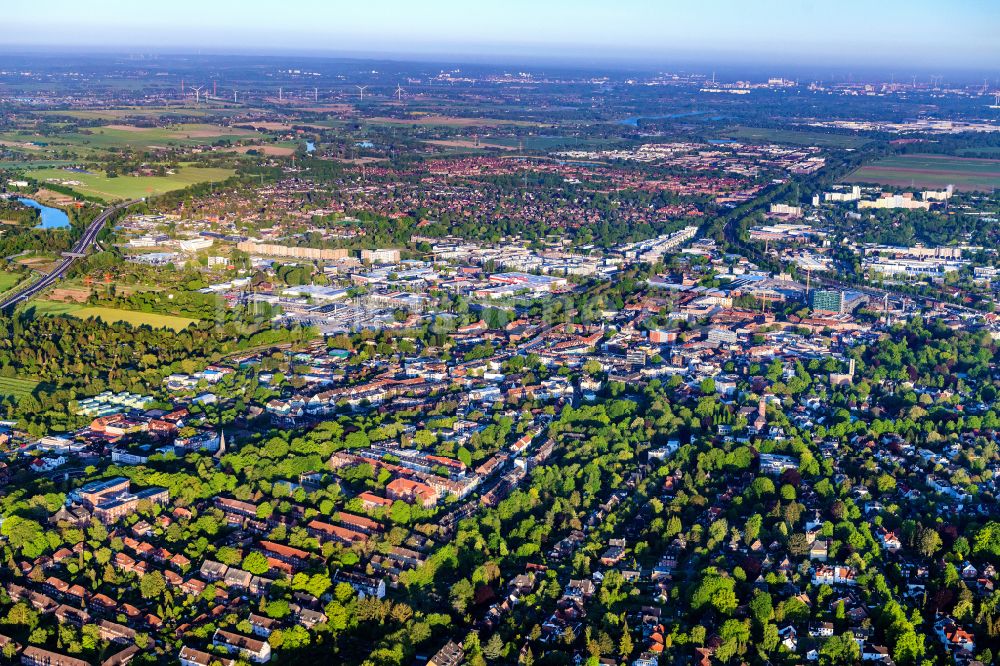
(132, 187)
(937, 171)
(14, 387)
(794, 137)
(112, 315)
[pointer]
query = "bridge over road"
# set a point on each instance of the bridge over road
(79, 251)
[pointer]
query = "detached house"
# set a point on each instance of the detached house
(255, 650)
(837, 574)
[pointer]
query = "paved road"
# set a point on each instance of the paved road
(81, 247)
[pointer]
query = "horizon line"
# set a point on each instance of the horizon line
(623, 61)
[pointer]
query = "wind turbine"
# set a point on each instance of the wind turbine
(197, 93)
(399, 92)
(361, 90)
(315, 94)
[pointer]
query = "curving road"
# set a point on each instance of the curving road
(79, 250)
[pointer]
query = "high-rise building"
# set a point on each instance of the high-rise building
(827, 300)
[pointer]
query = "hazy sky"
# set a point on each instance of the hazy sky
(918, 33)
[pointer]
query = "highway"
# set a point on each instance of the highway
(79, 250)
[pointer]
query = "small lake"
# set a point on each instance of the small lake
(52, 218)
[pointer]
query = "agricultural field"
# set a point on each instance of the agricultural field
(151, 112)
(16, 387)
(448, 121)
(936, 171)
(131, 187)
(119, 135)
(794, 137)
(550, 142)
(40, 164)
(111, 315)
(281, 149)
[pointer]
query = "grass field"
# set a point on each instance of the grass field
(14, 387)
(937, 171)
(794, 137)
(8, 280)
(130, 187)
(54, 308)
(111, 315)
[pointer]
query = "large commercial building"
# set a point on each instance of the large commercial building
(933, 268)
(195, 244)
(784, 232)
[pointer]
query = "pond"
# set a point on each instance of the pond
(52, 218)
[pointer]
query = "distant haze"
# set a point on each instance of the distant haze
(909, 35)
